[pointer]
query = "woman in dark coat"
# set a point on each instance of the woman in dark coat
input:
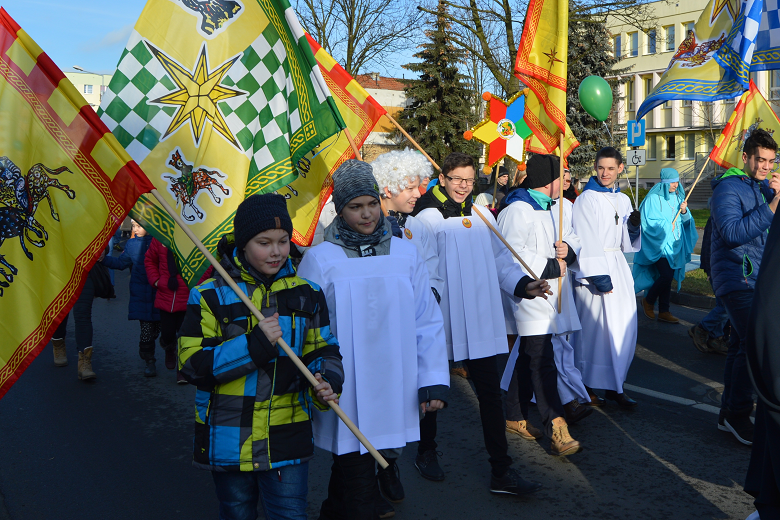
(142, 294)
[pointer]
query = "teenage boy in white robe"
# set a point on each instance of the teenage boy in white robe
(542, 361)
(476, 267)
(604, 288)
(381, 306)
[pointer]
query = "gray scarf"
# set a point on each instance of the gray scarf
(359, 241)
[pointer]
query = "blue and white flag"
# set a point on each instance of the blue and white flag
(767, 53)
(736, 54)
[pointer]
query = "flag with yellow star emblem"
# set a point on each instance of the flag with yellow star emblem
(542, 56)
(216, 101)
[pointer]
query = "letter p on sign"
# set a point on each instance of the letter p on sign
(635, 131)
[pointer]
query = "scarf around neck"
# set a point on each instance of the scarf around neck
(543, 200)
(355, 239)
(399, 217)
(439, 198)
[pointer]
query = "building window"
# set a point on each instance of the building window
(774, 84)
(709, 141)
(669, 37)
(617, 45)
(690, 146)
(754, 77)
(649, 185)
(687, 103)
(651, 147)
(648, 86)
(688, 28)
(670, 147)
(633, 44)
(630, 95)
(651, 41)
(708, 112)
(87, 89)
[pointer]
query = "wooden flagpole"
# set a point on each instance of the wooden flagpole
(691, 190)
(353, 145)
(295, 359)
(400, 129)
(560, 224)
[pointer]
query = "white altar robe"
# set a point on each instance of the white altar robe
(476, 267)
(533, 233)
(391, 337)
(605, 346)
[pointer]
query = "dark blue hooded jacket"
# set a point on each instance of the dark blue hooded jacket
(740, 224)
(141, 293)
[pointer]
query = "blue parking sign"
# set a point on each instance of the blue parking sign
(635, 133)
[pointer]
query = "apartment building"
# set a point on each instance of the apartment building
(91, 86)
(680, 133)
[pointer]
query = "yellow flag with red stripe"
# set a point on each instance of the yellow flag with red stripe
(543, 140)
(310, 191)
(751, 112)
(65, 186)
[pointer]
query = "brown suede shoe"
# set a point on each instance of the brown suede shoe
(460, 372)
(562, 443)
(668, 317)
(524, 429)
(649, 311)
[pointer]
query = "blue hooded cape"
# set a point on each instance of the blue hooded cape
(659, 240)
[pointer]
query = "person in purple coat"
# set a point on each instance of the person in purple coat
(142, 294)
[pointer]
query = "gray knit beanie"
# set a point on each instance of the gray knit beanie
(351, 180)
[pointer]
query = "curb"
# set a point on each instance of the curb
(693, 300)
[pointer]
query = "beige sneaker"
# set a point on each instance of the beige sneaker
(524, 429)
(668, 317)
(562, 443)
(60, 354)
(85, 365)
(648, 309)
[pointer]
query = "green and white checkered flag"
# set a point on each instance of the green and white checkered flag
(216, 104)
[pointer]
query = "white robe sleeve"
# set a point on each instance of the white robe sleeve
(513, 224)
(585, 218)
(432, 364)
(427, 240)
(509, 272)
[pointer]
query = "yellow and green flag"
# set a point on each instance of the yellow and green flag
(216, 101)
(542, 60)
(310, 191)
(65, 186)
(751, 112)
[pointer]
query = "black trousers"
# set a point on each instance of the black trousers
(82, 315)
(763, 476)
(535, 372)
(352, 490)
(486, 378)
(170, 323)
(662, 288)
(427, 433)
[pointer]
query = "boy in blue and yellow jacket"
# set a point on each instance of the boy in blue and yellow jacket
(253, 407)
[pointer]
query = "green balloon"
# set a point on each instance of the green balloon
(596, 97)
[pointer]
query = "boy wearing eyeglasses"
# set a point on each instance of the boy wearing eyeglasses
(476, 267)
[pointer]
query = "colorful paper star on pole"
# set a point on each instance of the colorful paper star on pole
(503, 130)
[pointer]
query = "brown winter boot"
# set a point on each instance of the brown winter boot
(85, 365)
(524, 429)
(562, 443)
(60, 355)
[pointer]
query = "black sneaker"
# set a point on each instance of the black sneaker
(427, 463)
(383, 508)
(512, 484)
(390, 482)
(741, 427)
(700, 337)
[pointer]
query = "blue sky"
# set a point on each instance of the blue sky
(90, 34)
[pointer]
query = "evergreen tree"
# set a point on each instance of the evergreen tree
(440, 108)
(590, 53)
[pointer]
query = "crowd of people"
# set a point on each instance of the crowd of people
(405, 285)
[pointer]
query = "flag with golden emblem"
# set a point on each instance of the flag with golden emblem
(216, 101)
(542, 59)
(65, 186)
(310, 191)
(751, 112)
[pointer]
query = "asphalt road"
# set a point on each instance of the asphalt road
(120, 447)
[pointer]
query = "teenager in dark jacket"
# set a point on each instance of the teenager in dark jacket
(142, 295)
(171, 298)
(742, 210)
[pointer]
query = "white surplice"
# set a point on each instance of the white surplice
(605, 346)
(391, 337)
(419, 234)
(533, 233)
(475, 267)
